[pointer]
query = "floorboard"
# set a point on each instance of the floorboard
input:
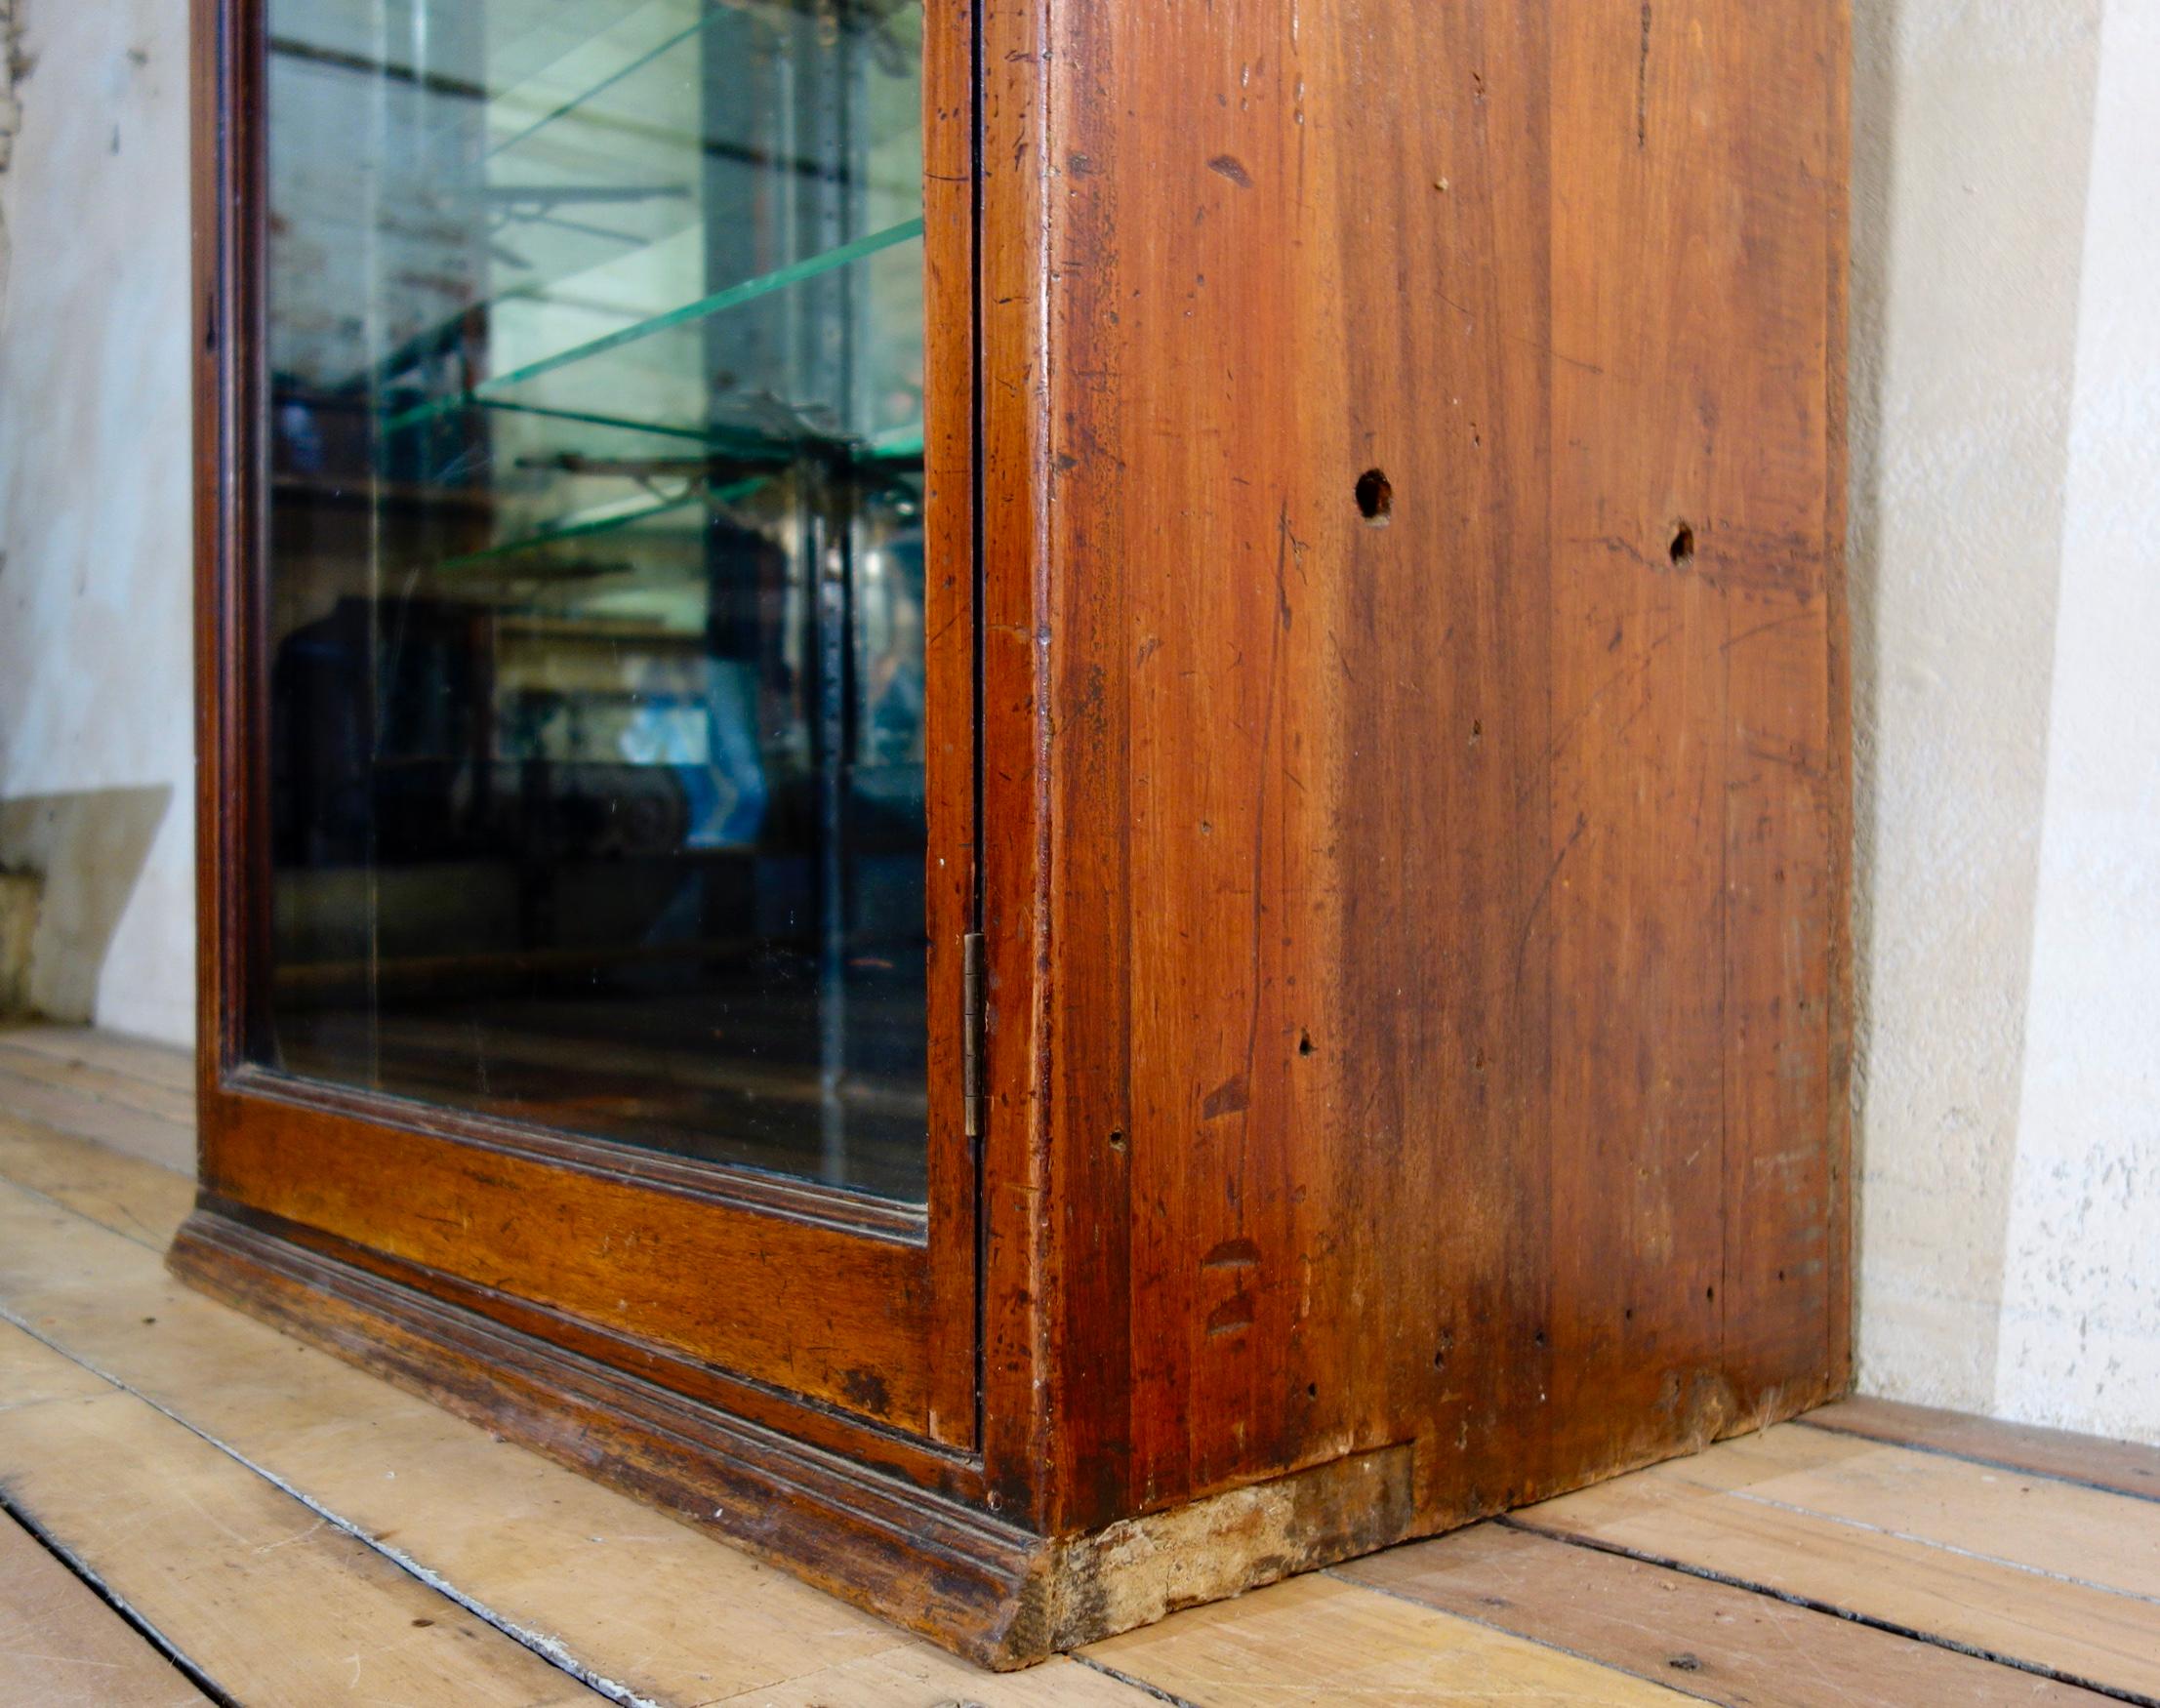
(151, 1137)
(61, 1644)
(1710, 1639)
(136, 1199)
(660, 1611)
(266, 1598)
(2125, 1467)
(2009, 1568)
(280, 1519)
(1318, 1639)
(111, 1052)
(170, 1103)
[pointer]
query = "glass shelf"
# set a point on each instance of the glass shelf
(586, 99)
(636, 515)
(599, 173)
(687, 315)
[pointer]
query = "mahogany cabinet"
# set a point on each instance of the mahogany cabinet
(1044, 802)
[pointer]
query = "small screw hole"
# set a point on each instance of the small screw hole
(1683, 549)
(1375, 498)
(1118, 1140)
(1304, 1043)
(1312, 1390)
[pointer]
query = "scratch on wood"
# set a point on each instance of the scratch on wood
(1538, 901)
(1641, 84)
(1228, 1098)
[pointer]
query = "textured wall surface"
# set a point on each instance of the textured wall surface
(2006, 409)
(2005, 490)
(2080, 1337)
(95, 672)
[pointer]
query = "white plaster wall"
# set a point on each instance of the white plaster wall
(1968, 182)
(2007, 618)
(95, 665)
(2080, 1339)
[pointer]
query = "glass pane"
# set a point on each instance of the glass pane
(595, 572)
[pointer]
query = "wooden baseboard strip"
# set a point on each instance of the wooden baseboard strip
(996, 1594)
(645, 1609)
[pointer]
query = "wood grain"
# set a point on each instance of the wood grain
(950, 716)
(1318, 1641)
(166, 1140)
(920, 1677)
(2042, 1575)
(267, 1600)
(112, 1053)
(1022, 1235)
(836, 1315)
(2126, 1467)
(642, 1601)
(58, 1642)
(173, 1104)
(137, 1199)
(2056, 1528)
(1710, 1639)
(1437, 993)
(666, 1612)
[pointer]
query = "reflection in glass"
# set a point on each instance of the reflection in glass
(595, 581)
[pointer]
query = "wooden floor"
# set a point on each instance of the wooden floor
(198, 1508)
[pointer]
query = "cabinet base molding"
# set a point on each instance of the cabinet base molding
(994, 1593)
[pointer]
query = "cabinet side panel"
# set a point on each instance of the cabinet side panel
(1447, 801)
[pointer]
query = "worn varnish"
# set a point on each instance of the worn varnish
(1438, 1016)
(1408, 645)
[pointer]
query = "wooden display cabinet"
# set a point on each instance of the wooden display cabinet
(1046, 803)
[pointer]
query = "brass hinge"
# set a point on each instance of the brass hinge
(971, 1033)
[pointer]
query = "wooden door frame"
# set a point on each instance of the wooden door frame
(886, 1365)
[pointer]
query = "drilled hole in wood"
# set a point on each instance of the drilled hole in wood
(1304, 1043)
(1312, 1390)
(1683, 549)
(1375, 498)
(1118, 1140)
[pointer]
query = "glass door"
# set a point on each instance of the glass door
(594, 599)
